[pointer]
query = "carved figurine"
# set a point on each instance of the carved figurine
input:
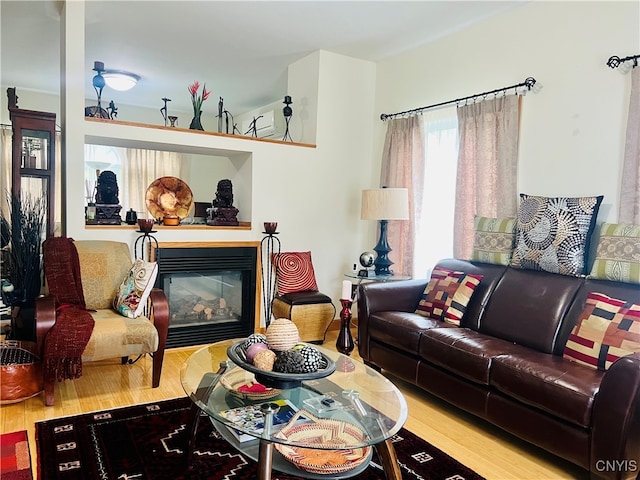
(107, 202)
(223, 212)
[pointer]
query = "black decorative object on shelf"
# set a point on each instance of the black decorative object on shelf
(253, 127)
(98, 83)
(222, 212)
(287, 111)
(220, 112)
(269, 246)
(164, 111)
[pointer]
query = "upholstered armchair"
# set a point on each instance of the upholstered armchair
(104, 268)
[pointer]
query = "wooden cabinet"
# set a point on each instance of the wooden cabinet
(33, 156)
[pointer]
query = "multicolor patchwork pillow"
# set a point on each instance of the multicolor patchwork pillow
(447, 295)
(618, 253)
(553, 234)
(493, 240)
(606, 330)
(135, 289)
(294, 272)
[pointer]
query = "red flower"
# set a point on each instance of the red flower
(195, 99)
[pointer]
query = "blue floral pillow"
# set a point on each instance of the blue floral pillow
(553, 233)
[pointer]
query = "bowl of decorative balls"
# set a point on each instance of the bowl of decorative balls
(278, 359)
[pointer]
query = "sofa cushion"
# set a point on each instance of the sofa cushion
(294, 272)
(607, 329)
(529, 307)
(447, 295)
(618, 253)
(493, 240)
(465, 352)
(548, 382)
(553, 234)
(402, 329)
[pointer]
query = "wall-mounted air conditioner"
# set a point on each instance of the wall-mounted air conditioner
(267, 125)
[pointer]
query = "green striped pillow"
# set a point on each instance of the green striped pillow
(493, 240)
(618, 253)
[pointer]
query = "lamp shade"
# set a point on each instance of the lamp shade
(385, 204)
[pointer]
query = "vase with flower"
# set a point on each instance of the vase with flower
(197, 100)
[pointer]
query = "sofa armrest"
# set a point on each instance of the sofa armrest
(373, 297)
(615, 436)
(158, 314)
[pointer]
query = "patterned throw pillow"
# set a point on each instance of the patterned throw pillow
(135, 289)
(294, 272)
(493, 240)
(553, 234)
(606, 330)
(447, 295)
(618, 253)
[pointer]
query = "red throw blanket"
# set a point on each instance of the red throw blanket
(67, 339)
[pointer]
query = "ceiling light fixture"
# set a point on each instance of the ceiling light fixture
(120, 80)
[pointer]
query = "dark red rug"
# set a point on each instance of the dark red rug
(149, 441)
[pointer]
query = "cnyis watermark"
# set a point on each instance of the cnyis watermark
(616, 465)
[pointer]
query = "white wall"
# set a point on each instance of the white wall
(572, 132)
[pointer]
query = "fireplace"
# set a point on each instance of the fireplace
(212, 290)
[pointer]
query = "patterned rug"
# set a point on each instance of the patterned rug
(15, 460)
(148, 442)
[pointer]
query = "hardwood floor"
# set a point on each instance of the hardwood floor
(477, 444)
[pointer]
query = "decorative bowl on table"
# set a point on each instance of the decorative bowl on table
(320, 434)
(280, 380)
(242, 384)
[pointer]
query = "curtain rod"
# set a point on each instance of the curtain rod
(615, 62)
(529, 82)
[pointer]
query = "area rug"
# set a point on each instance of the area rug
(15, 460)
(149, 441)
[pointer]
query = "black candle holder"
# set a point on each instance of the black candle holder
(145, 239)
(344, 343)
(269, 246)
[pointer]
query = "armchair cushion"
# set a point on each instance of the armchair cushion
(135, 288)
(103, 265)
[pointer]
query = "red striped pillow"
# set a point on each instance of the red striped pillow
(294, 272)
(607, 329)
(447, 295)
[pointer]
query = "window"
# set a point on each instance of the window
(434, 236)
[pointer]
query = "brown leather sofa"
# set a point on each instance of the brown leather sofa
(505, 364)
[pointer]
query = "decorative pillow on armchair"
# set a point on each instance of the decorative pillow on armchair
(618, 253)
(294, 272)
(607, 329)
(447, 295)
(553, 234)
(135, 288)
(493, 240)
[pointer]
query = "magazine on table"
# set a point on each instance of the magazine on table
(251, 417)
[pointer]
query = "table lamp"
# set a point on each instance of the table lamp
(384, 204)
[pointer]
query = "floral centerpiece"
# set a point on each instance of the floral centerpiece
(197, 100)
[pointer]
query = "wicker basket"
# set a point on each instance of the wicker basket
(312, 320)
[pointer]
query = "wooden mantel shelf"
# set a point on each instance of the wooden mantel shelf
(195, 132)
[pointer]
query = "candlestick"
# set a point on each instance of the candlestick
(344, 344)
(346, 289)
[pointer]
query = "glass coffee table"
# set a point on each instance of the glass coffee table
(354, 397)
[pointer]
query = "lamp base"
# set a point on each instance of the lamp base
(382, 262)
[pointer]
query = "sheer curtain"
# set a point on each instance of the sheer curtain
(140, 168)
(486, 181)
(629, 211)
(403, 167)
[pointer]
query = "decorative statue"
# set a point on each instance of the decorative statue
(223, 212)
(107, 188)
